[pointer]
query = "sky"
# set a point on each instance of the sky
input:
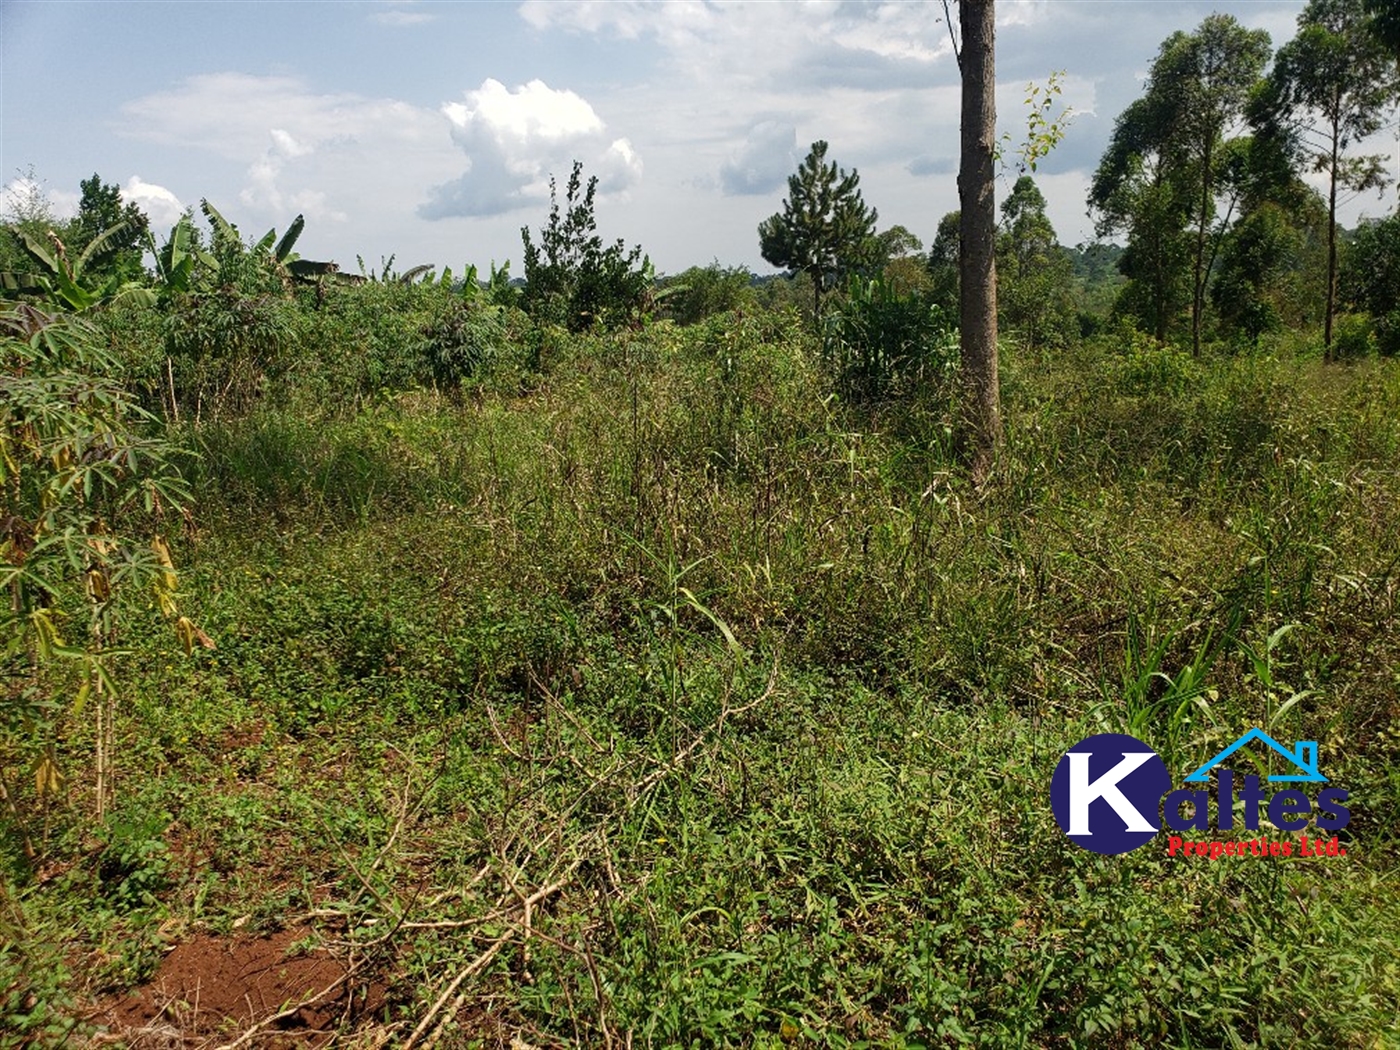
(429, 131)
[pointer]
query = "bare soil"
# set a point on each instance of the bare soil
(213, 989)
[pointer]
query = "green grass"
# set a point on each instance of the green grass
(769, 694)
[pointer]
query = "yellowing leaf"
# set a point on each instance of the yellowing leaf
(189, 633)
(48, 779)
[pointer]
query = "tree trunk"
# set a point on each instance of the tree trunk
(1331, 245)
(1198, 277)
(977, 253)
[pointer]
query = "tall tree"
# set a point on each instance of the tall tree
(1163, 166)
(1143, 188)
(100, 209)
(942, 263)
(1215, 70)
(825, 228)
(977, 266)
(1331, 86)
(1034, 277)
(1385, 23)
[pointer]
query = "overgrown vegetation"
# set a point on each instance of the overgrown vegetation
(632, 662)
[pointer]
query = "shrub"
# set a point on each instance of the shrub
(461, 339)
(1353, 337)
(880, 342)
(571, 279)
(703, 291)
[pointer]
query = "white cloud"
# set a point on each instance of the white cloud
(399, 19)
(733, 43)
(1022, 12)
(26, 198)
(763, 162)
(326, 155)
(161, 206)
(515, 139)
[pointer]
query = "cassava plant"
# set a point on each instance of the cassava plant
(86, 492)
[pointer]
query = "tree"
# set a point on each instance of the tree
(1385, 24)
(825, 229)
(571, 278)
(1142, 188)
(1370, 278)
(896, 258)
(977, 232)
(100, 211)
(1034, 278)
(1247, 292)
(1330, 86)
(942, 263)
(1162, 169)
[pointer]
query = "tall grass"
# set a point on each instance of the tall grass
(542, 610)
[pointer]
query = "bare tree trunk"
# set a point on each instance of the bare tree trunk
(977, 253)
(1331, 245)
(1198, 276)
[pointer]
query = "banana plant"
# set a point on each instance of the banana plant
(61, 282)
(176, 261)
(272, 252)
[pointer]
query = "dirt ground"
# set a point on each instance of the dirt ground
(211, 990)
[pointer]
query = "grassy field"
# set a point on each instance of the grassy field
(660, 697)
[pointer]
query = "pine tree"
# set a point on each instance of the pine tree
(825, 228)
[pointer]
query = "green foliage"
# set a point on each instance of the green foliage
(1043, 132)
(1331, 85)
(571, 279)
(1354, 337)
(943, 264)
(1159, 179)
(1250, 292)
(1384, 24)
(86, 486)
(1149, 369)
(825, 229)
(134, 862)
(1370, 273)
(1034, 280)
(705, 291)
(226, 345)
(462, 339)
(119, 229)
(880, 342)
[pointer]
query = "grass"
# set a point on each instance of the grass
(756, 704)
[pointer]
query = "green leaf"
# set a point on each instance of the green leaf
(289, 239)
(98, 245)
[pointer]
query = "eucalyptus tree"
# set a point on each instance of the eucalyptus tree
(825, 229)
(977, 231)
(1331, 87)
(1162, 170)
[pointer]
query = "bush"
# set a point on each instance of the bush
(703, 291)
(880, 342)
(571, 279)
(224, 347)
(462, 338)
(1352, 337)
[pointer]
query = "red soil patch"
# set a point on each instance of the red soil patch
(219, 987)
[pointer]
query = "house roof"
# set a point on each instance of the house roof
(1303, 756)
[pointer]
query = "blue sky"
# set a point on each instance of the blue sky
(429, 130)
